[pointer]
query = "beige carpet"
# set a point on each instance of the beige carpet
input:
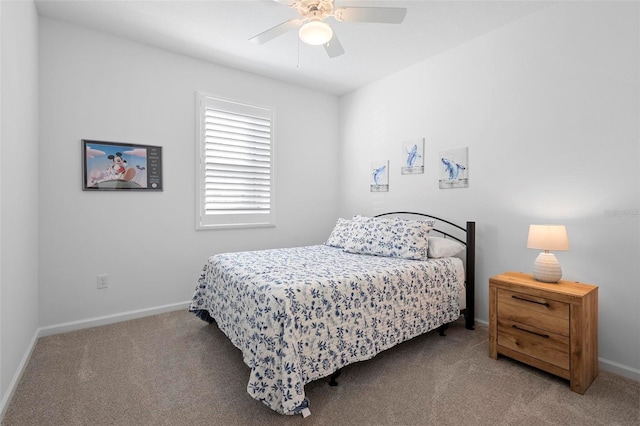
(174, 369)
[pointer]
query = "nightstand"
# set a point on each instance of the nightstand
(553, 327)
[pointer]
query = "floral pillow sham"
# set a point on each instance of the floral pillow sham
(390, 237)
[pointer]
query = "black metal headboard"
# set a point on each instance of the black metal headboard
(469, 242)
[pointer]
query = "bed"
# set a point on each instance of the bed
(302, 313)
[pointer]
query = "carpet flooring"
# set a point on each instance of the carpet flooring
(174, 369)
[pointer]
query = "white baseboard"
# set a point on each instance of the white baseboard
(73, 326)
(13, 385)
(110, 319)
(483, 322)
(619, 369)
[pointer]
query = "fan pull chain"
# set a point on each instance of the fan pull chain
(298, 64)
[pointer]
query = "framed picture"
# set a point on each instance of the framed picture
(111, 166)
(380, 176)
(413, 157)
(454, 168)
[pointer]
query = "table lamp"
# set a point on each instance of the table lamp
(546, 268)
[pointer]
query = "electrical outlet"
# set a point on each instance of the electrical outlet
(103, 281)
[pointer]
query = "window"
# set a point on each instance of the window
(235, 183)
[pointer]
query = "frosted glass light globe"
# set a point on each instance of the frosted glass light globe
(315, 33)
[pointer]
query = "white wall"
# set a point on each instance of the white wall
(96, 86)
(549, 108)
(18, 189)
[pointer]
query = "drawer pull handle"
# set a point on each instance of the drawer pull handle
(546, 336)
(545, 304)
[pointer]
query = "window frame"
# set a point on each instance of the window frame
(230, 220)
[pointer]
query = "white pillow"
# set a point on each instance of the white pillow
(391, 237)
(443, 247)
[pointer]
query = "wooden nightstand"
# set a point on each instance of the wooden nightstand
(553, 327)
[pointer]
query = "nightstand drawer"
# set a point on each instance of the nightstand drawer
(537, 343)
(543, 313)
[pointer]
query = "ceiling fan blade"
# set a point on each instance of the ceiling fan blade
(383, 15)
(333, 47)
(276, 31)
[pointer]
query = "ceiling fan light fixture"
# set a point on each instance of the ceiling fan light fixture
(315, 32)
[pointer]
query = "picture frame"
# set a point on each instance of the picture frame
(379, 173)
(118, 166)
(412, 157)
(454, 168)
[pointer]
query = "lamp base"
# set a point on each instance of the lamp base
(546, 268)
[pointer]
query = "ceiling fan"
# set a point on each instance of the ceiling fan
(314, 31)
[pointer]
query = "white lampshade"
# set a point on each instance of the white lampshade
(548, 237)
(315, 32)
(546, 268)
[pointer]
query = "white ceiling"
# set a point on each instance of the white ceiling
(218, 31)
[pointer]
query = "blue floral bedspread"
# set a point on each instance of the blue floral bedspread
(299, 314)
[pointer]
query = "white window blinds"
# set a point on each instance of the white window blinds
(236, 185)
